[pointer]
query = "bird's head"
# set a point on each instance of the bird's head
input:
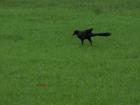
(75, 32)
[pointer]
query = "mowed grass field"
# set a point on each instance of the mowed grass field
(41, 63)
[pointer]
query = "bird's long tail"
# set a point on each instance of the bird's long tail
(102, 34)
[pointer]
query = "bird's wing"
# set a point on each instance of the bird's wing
(89, 30)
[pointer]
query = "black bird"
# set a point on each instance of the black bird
(87, 34)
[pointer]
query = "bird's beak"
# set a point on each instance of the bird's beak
(73, 34)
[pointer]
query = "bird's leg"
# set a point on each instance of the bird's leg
(82, 41)
(89, 39)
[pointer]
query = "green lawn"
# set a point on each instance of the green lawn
(42, 64)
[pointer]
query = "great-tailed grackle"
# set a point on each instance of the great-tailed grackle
(87, 34)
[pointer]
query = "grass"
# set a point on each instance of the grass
(42, 64)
